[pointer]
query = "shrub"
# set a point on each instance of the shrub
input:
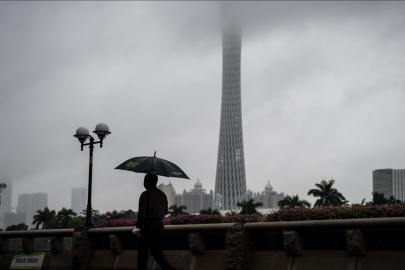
(337, 212)
(118, 223)
(288, 214)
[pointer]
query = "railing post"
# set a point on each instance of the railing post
(292, 242)
(3, 245)
(239, 248)
(57, 244)
(197, 245)
(115, 244)
(27, 244)
(356, 242)
(82, 248)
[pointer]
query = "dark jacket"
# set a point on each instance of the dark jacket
(152, 204)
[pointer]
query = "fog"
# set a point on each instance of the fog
(322, 94)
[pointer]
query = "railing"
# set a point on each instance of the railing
(325, 244)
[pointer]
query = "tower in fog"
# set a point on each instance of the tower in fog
(230, 181)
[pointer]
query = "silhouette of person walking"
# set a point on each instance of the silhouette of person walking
(153, 207)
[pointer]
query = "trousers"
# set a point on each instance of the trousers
(151, 236)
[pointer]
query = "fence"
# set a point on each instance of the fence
(354, 244)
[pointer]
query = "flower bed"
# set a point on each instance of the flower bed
(294, 214)
(337, 212)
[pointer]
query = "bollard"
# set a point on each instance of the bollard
(82, 248)
(238, 248)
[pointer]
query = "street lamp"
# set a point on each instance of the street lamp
(82, 134)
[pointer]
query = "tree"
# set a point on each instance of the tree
(130, 214)
(379, 199)
(77, 221)
(249, 207)
(115, 215)
(17, 227)
(93, 212)
(44, 217)
(65, 216)
(96, 216)
(327, 195)
(175, 210)
(292, 202)
(231, 213)
(209, 211)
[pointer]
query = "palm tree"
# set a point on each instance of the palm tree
(175, 210)
(209, 211)
(231, 213)
(292, 202)
(44, 218)
(65, 216)
(249, 207)
(327, 195)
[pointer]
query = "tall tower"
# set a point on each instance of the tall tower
(230, 181)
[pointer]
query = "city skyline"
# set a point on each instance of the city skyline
(322, 90)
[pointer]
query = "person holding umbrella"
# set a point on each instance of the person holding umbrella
(153, 206)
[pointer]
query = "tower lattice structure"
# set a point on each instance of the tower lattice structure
(230, 181)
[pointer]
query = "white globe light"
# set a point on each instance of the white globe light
(102, 130)
(82, 133)
(102, 127)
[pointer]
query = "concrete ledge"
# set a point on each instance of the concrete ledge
(375, 223)
(128, 259)
(181, 259)
(387, 260)
(36, 233)
(102, 259)
(211, 260)
(274, 260)
(168, 228)
(63, 261)
(321, 260)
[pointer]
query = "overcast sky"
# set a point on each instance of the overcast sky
(322, 94)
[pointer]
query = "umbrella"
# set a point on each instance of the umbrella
(152, 165)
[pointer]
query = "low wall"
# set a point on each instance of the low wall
(354, 244)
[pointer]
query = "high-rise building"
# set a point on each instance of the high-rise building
(29, 204)
(39, 202)
(78, 199)
(5, 206)
(390, 182)
(169, 191)
(230, 181)
(269, 198)
(24, 207)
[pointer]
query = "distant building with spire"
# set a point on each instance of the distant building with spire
(195, 200)
(269, 198)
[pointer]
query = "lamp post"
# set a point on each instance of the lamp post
(82, 134)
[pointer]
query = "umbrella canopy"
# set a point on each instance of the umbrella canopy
(152, 165)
